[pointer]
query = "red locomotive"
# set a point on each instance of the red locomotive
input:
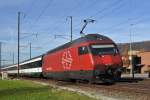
(93, 58)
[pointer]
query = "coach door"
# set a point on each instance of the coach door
(82, 57)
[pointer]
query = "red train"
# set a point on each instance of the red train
(93, 58)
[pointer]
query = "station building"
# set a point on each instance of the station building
(141, 61)
(145, 61)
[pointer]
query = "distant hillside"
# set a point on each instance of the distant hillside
(139, 46)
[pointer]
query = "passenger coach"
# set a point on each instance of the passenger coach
(31, 67)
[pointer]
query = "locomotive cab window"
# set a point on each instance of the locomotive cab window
(82, 50)
(103, 49)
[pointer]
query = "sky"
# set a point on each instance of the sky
(43, 20)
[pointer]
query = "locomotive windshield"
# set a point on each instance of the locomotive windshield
(103, 49)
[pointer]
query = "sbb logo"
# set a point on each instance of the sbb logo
(67, 60)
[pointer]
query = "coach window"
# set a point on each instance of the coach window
(82, 50)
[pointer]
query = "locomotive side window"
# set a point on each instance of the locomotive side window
(82, 50)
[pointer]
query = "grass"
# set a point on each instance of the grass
(27, 90)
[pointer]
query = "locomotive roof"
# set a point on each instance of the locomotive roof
(86, 38)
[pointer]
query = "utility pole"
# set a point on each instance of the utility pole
(131, 58)
(13, 58)
(18, 43)
(0, 55)
(30, 47)
(70, 28)
(30, 50)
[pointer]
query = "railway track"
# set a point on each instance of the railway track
(134, 88)
(127, 90)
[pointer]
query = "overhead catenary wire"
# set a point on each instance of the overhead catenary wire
(29, 9)
(116, 4)
(58, 21)
(100, 11)
(129, 21)
(42, 12)
(105, 8)
(39, 17)
(134, 19)
(119, 24)
(88, 6)
(67, 13)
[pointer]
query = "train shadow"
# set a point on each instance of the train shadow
(130, 80)
(122, 80)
